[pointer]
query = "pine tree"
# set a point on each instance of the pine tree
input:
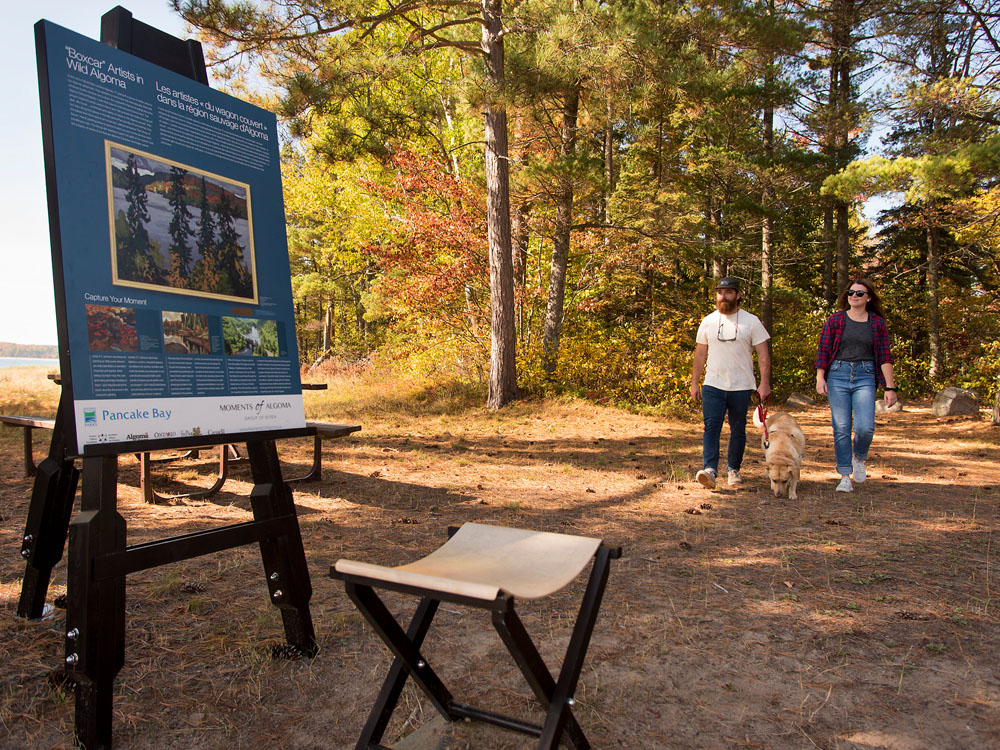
(180, 228)
(138, 264)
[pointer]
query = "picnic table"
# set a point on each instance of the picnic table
(229, 454)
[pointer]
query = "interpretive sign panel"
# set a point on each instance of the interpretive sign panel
(169, 250)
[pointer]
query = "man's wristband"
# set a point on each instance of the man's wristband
(887, 388)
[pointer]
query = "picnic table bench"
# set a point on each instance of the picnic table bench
(28, 424)
(228, 455)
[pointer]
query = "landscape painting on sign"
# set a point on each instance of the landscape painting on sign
(111, 329)
(250, 337)
(176, 228)
(186, 333)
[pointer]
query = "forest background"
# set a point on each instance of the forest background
(535, 196)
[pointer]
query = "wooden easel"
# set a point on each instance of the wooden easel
(99, 559)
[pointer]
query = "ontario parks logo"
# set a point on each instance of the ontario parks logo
(90, 416)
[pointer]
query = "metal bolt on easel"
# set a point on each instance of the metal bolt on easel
(277, 594)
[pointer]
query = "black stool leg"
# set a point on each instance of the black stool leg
(375, 612)
(512, 632)
(559, 712)
(392, 687)
(95, 613)
(284, 556)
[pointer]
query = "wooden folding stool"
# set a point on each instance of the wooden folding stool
(487, 567)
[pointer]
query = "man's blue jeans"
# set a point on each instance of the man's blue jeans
(850, 388)
(716, 405)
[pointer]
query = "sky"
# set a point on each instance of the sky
(27, 302)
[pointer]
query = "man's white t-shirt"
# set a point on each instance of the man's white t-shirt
(730, 361)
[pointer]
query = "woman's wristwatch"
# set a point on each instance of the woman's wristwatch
(887, 388)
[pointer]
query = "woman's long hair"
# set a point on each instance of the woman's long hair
(873, 305)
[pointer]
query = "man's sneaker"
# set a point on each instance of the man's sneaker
(707, 478)
(735, 480)
(845, 484)
(860, 474)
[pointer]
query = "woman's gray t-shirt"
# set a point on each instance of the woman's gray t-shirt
(856, 343)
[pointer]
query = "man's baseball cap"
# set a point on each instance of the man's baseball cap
(728, 282)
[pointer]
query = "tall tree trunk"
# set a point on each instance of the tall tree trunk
(707, 243)
(521, 237)
(503, 348)
(561, 236)
(767, 229)
(720, 264)
(843, 57)
(829, 251)
(933, 320)
(520, 220)
(830, 149)
(610, 177)
(996, 404)
(843, 245)
(328, 325)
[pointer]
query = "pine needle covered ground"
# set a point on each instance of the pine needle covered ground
(734, 619)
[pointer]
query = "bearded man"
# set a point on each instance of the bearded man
(727, 339)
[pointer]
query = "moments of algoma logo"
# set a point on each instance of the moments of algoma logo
(90, 416)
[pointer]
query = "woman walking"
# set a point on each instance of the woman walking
(853, 359)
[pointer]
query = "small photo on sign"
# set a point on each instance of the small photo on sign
(178, 229)
(186, 333)
(250, 337)
(111, 329)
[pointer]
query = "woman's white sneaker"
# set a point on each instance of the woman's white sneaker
(845, 484)
(860, 473)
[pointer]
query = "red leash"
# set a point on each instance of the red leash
(762, 415)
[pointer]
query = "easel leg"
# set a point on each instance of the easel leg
(284, 557)
(95, 614)
(48, 520)
(29, 459)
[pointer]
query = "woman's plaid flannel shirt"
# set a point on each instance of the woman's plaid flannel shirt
(833, 330)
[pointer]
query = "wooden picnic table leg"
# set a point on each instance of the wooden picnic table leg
(47, 524)
(95, 612)
(284, 556)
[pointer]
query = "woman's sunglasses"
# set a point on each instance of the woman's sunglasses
(855, 293)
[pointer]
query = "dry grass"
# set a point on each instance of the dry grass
(27, 390)
(734, 620)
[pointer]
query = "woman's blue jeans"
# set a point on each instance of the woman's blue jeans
(716, 404)
(850, 388)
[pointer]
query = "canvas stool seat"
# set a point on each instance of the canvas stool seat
(486, 567)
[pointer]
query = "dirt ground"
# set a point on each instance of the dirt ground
(733, 620)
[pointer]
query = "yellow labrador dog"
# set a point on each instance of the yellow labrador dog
(783, 451)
